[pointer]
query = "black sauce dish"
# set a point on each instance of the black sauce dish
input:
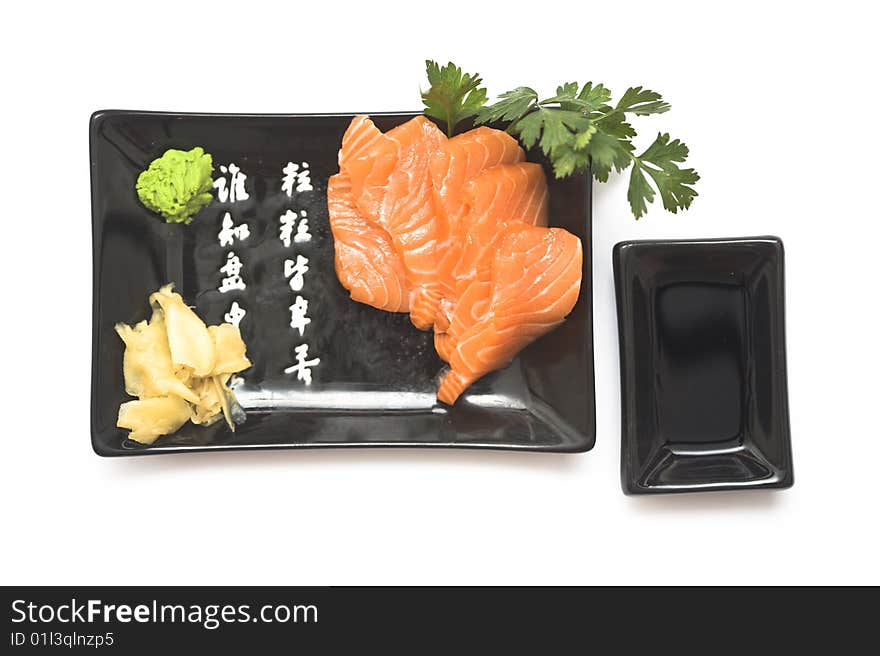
(704, 402)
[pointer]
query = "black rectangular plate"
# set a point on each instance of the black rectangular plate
(702, 356)
(377, 378)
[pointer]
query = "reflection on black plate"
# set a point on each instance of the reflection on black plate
(376, 381)
(702, 358)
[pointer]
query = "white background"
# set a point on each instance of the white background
(778, 103)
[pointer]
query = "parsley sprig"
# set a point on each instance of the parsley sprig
(579, 129)
(453, 96)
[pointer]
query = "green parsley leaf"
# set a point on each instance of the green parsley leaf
(453, 95)
(640, 193)
(660, 162)
(555, 127)
(589, 99)
(642, 102)
(616, 126)
(568, 160)
(528, 128)
(566, 97)
(596, 98)
(582, 138)
(512, 105)
(606, 152)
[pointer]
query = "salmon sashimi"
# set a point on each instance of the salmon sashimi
(471, 306)
(365, 154)
(513, 193)
(367, 263)
(535, 283)
(454, 232)
(368, 157)
(391, 185)
(500, 195)
(456, 163)
(360, 136)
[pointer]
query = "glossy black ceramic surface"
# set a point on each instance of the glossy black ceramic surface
(377, 378)
(702, 357)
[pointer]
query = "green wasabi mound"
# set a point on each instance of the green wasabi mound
(177, 185)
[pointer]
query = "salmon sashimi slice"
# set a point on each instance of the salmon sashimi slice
(367, 263)
(368, 157)
(360, 136)
(470, 308)
(501, 195)
(461, 159)
(365, 151)
(391, 184)
(456, 163)
(535, 283)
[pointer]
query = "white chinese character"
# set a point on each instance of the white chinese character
(298, 318)
(232, 269)
(289, 178)
(235, 189)
(297, 177)
(235, 315)
(230, 231)
(302, 368)
(297, 270)
(302, 230)
(288, 221)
